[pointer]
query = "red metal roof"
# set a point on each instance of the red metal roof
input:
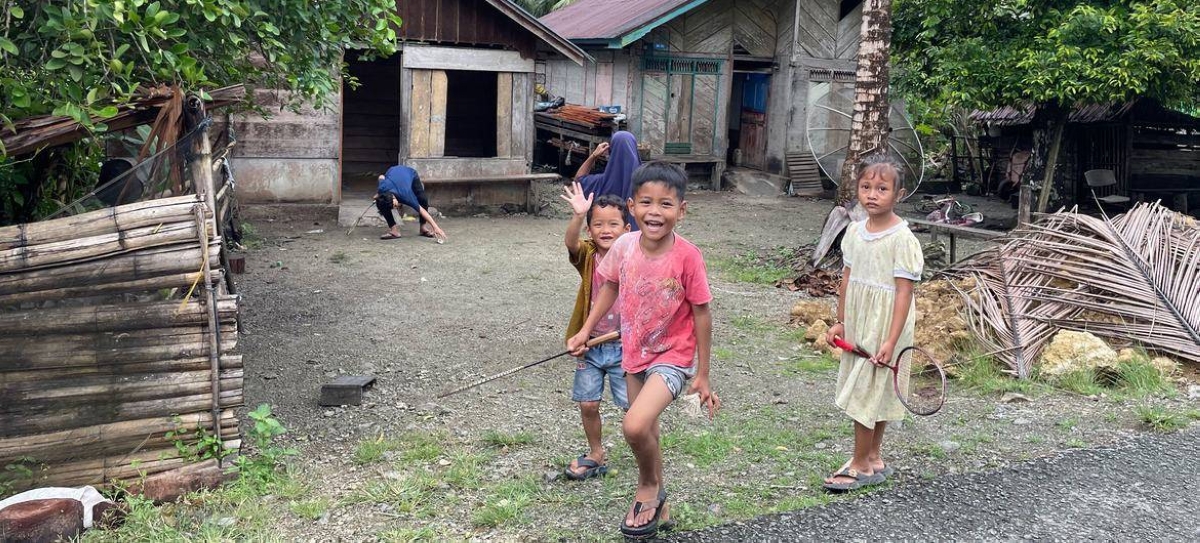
(607, 19)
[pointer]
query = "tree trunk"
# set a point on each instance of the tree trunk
(869, 125)
(1048, 124)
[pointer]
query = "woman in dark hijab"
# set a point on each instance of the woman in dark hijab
(617, 178)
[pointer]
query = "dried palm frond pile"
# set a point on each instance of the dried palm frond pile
(1133, 278)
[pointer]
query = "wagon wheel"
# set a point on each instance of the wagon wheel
(828, 132)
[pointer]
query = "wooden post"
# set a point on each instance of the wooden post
(202, 168)
(214, 321)
(1023, 205)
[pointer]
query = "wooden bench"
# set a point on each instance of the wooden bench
(953, 231)
(715, 165)
(530, 204)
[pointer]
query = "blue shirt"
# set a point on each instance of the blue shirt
(399, 181)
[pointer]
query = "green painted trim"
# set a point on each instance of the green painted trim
(641, 32)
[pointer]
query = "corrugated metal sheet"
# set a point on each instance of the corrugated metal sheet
(607, 19)
(1143, 111)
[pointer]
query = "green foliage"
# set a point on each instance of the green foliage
(989, 54)
(1160, 419)
(982, 374)
(495, 438)
(197, 444)
(86, 58)
(749, 267)
(261, 469)
(31, 188)
(539, 8)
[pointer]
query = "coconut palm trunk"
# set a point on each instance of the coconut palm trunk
(869, 128)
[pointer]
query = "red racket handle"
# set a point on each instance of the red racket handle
(847, 346)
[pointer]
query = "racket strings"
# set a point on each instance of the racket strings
(920, 382)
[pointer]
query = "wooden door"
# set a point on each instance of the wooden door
(679, 111)
(753, 139)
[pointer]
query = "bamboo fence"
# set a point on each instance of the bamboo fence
(117, 329)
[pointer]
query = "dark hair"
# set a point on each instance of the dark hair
(661, 172)
(878, 161)
(383, 201)
(607, 200)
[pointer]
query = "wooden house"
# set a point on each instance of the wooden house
(1153, 151)
(456, 103)
(710, 82)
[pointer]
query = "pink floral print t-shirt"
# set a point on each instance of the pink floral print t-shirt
(656, 299)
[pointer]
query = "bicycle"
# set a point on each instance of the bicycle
(929, 204)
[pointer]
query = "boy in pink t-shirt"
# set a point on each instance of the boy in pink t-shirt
(666, 327)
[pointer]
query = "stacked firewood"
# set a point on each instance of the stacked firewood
(114, 363)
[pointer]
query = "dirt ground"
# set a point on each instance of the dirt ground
(423, 317)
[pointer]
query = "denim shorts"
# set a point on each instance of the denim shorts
(674, 376)
(590, 371)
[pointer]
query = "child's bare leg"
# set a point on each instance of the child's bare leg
(642, 434)
(590, 411)
(863, 440)
(876, 457)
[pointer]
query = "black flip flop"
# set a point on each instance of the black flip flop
(593, 469)
(650, 529)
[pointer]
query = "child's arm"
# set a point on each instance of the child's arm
(577, 343)
(904, 295)
(586, 167)
(838, 329)
(580, 205)
(437, 231)
(701, 385)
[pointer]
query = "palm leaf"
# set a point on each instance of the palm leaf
(1137, 277)
(1132, 278)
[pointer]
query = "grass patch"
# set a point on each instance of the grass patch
(983, 375)
(465, 470)
(723, 353)
(370, 451)
(1163, 420)
(338, 257)
(704, 447)
(1076, 443)
(1067, 424)
(413, 494)
(1082, 382)
(507, 503)
(411, 535)
(1138, 378)
(823, 363)
(499, 439)
(309, 509)
(749, 267)
(748, 323)
(251, 238)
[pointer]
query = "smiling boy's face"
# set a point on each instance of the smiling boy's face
(657, 208)
(607, 224)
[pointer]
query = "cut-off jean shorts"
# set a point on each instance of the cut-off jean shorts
(674, 376)
(601, 361)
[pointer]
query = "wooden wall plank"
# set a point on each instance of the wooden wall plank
(680, 109)
(522, 117)
(653, 107)
(818, 28)
(621, 93)
(849, 34)
(419, 121)
(406, 83)
(458, 58)
(704, 113)
(604, 84)
(754, 26)
(504, 114)
(437, 113)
